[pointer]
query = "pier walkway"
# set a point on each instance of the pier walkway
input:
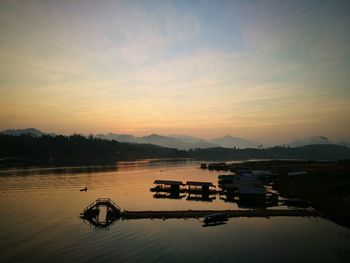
(115, 212)
(229, 213)
(94, 208)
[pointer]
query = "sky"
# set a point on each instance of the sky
(270, 71)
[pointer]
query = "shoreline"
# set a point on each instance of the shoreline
(326, 184)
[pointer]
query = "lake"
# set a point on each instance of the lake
(40, 221)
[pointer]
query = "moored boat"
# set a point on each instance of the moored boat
(215, 218)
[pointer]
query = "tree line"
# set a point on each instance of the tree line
(75, 149)
(27, 150)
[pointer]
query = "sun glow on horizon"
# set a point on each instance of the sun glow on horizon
(267, 70)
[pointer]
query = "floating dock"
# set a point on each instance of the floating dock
(115, 212)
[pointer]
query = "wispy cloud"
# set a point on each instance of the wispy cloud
(254, 69)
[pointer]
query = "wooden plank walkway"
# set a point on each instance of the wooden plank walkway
(114, 211)
(201, 213)
(107, 202)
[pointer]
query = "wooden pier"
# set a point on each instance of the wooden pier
(92, 211)
(114, 212)
(107, 202)
(230, 213)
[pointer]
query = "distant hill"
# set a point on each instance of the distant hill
(18, 132)
(24, 150)
(231, 142)
(307, 152)
(187, 138)
(165, 141)
(178, 142)
(183, 142)
(196, 142)
(345, 143)
(311, 141)
(118, 137)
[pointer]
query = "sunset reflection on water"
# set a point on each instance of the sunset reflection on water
(40, 221)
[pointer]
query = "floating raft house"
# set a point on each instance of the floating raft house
(167, 186)
(200, 187)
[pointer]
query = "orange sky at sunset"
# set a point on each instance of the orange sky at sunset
(270, 71)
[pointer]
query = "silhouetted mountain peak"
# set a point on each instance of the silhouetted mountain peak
(17, 132)
(323, 138)
(153, 135)
(310, 141)
(185, 142)
(229, 141)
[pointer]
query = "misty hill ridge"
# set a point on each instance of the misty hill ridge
(311, 141)
(117, 137)
(165, 141)
(181, 142)
(31, 131)
(229, 141)
(184, 142)
(24, 151)
(17, 132)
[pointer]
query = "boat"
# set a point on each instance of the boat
(83, 190)
(215, 218)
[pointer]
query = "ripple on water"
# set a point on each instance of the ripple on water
(40, 222)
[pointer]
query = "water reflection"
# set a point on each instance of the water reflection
(170, 195)
(196, 191)
(101, 213)
(58, 170)
(98, 222)
(215, 219)
(214, 224)
(47, 227)
(203, 197)
(153, 163)
(229, 198)
(119, 166)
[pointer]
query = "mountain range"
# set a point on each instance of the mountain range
(31, 131)
(184, 142)
(311, 140)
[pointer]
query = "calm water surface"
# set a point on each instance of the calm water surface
(40, 222)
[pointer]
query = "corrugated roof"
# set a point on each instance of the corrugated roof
(168, 182)
(199, 183)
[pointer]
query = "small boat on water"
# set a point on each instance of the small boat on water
(84, 189)
(215, 219)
